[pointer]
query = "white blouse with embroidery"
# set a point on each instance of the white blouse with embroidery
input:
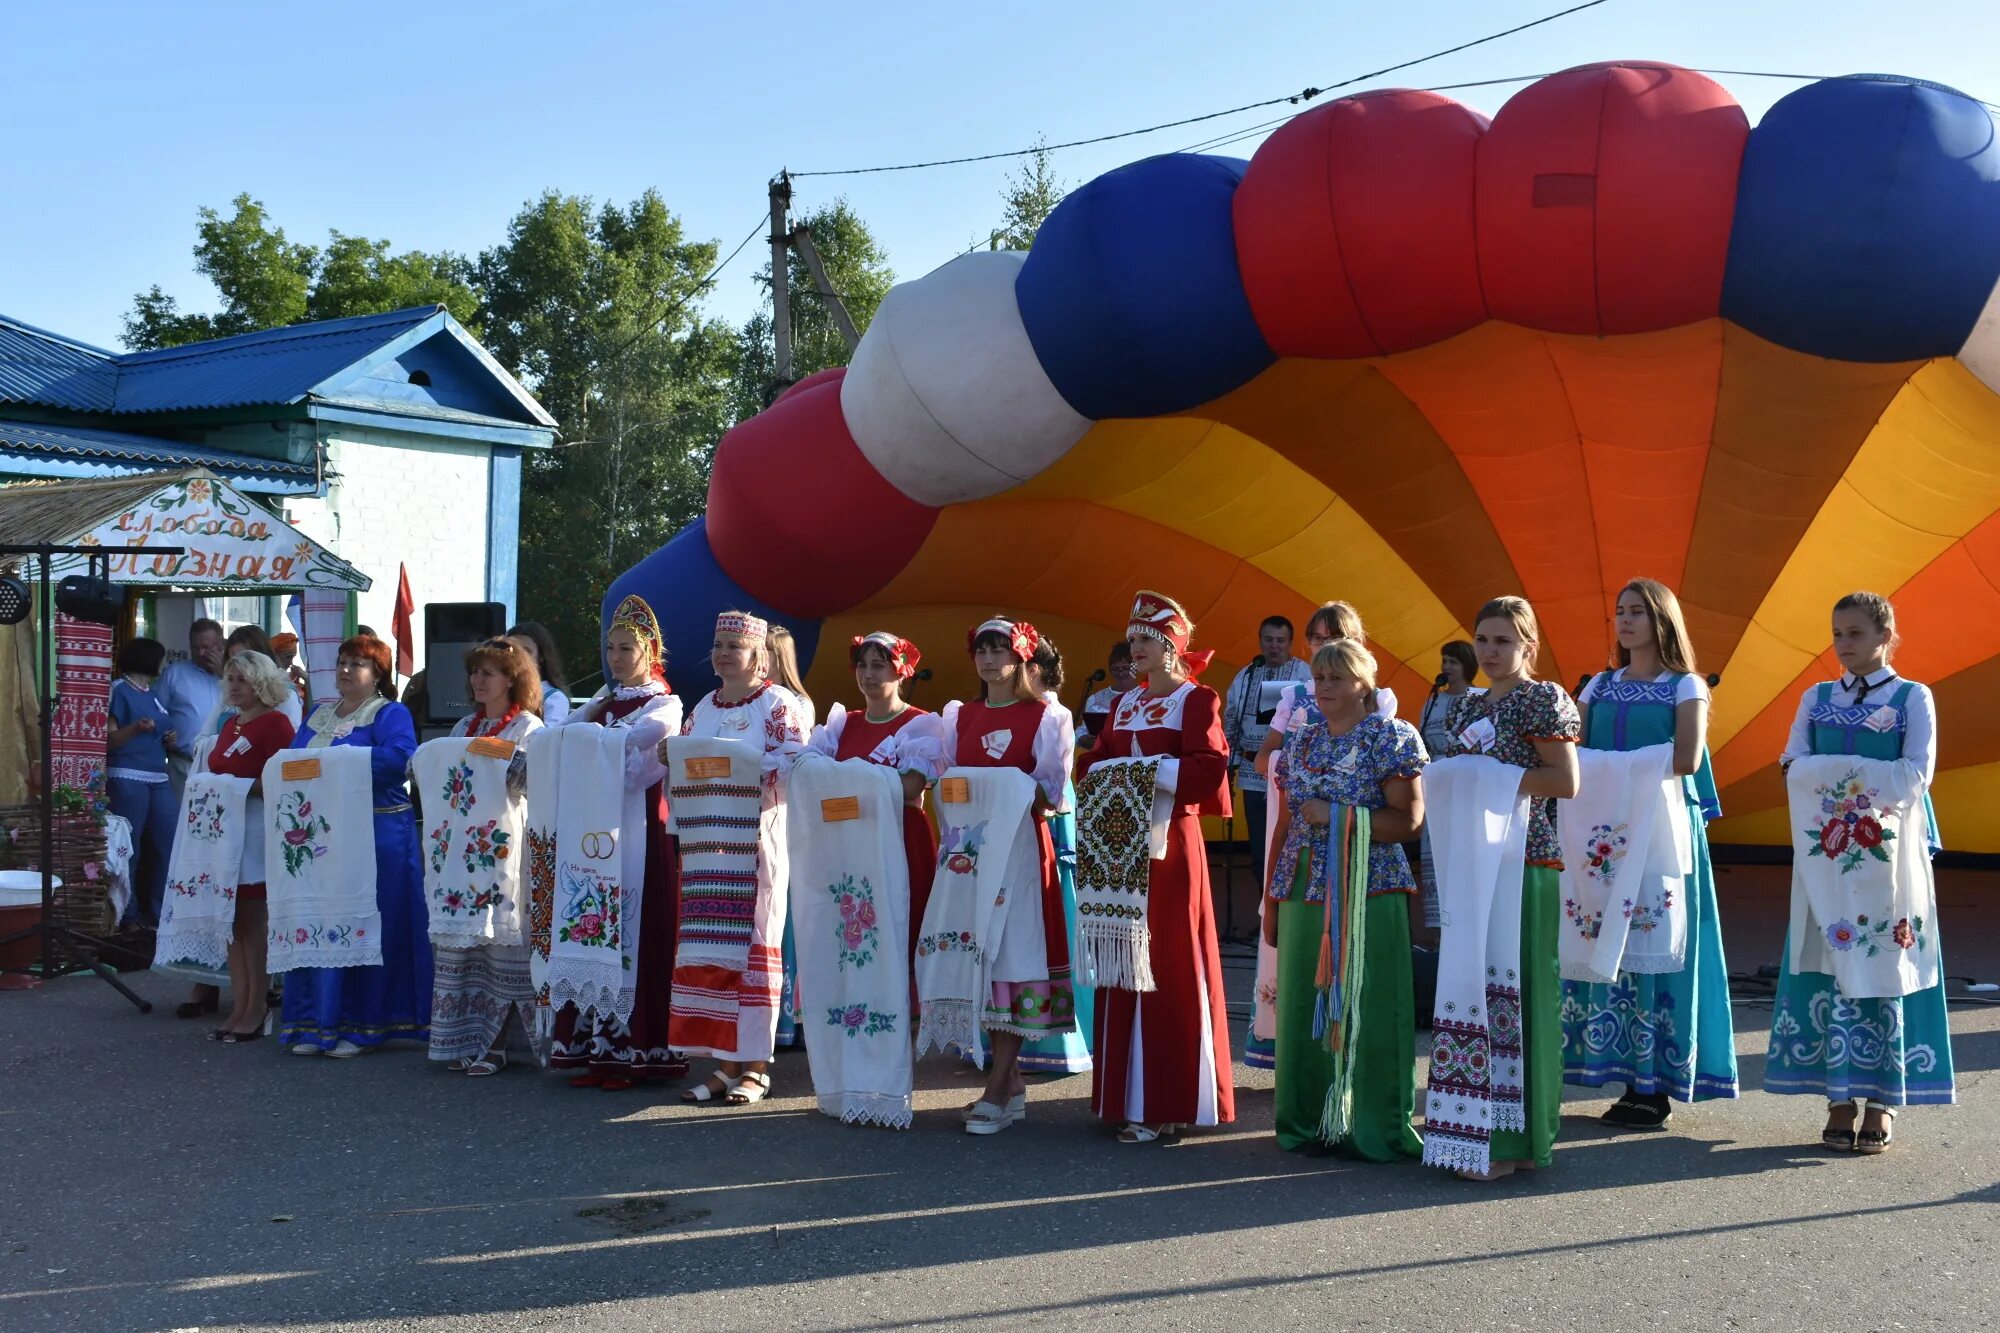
(768, 719)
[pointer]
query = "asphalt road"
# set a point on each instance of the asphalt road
(153, 1180)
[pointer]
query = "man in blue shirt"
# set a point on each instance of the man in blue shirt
(192, 693)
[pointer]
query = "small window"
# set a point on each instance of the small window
(421, 378)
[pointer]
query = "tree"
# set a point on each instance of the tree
(594, 308)
(1028, 197)
(267, 281)
(859, 272)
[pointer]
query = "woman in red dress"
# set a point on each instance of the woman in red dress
(255, 689)
(1163, 1055)
(888, 730)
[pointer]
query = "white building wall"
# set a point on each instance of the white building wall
(402, 499)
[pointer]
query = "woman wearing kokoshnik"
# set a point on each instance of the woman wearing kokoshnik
(1662, 1033)
(612, 1053)
(1161, 1055)
(1339, 919)
(1870, 1022)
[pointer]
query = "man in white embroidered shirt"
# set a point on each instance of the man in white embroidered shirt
(1246, 716)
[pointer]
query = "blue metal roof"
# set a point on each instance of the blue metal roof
(36, 450)
(37, 366)
(255, 369)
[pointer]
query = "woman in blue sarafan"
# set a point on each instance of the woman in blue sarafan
(1663, 1035)
(343, 1011)
(1891, 1052)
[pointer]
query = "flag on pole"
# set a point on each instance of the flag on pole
(401, 627)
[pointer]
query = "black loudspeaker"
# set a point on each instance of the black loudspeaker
(89, 598)
(450, 629)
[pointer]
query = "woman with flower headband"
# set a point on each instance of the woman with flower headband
(1010, 726)
(747, 707)
(1162, 1054)
(613, 1054)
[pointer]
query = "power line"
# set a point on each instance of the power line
(1303, 95)
(652, 322)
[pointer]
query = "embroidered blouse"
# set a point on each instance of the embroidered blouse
(908, 742)
(1344, 770)
(1536, 710)
(766, 718)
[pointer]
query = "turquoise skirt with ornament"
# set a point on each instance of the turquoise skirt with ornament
(1896, 1051)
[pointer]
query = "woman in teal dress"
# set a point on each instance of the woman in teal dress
(1061, 1052)
(1666, 1035)
(1892, 1052)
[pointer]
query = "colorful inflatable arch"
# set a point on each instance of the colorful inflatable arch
(1414, 359)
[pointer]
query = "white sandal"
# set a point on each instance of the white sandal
(991, 1117)
(754, 1086)
(1017, 1106)
(487, 1065)
(706, 1091)
(1138, 1133)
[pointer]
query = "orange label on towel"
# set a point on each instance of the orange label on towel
(490, 747)
(955, 791)
(716, 766)
(840, 809)
(298, 770)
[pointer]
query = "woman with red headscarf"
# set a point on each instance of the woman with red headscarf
(1162, 1054)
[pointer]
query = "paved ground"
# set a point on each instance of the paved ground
(152, 1180)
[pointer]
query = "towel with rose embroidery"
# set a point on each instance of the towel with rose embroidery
(319, 858)
(1478, 819)
(1864, 904)
(850, 887)
(1627, 849)
(472, 834)
(198, 911)
(1123, 809)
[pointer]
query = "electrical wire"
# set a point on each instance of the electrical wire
(652, 323)
(1303, 95)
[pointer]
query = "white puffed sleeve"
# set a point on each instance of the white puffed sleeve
(1055, 750)
(826, 736)
(920, 747)
(659, 719)
(1798, 743)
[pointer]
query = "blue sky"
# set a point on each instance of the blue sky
(430, 124)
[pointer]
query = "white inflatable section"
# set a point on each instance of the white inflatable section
(945, 395)
(1981, 353)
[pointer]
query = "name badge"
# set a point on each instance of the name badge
(840, 809)
(1882, 719)
(955, 791)
(1479, 737)
(1346, 762)
(708, 766)
(490, 747)
(298, 770)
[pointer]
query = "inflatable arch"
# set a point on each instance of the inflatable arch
(1414, 359)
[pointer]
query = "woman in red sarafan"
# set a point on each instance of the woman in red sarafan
(1163, 1055)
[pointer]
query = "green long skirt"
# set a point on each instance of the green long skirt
(1385, 1087)
(1541, 1022)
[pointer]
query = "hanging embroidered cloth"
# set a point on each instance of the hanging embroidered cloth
(83, 702)
(590, 942)
(715, 801)
(986, 841)
(1627, 850)
(1479, 834)
(1864, 903)
(471, 842)
(1123, 807)
(198, 911)
(319, 858)
(850, 888)
(544, 765)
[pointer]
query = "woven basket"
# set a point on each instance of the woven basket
(84, 900)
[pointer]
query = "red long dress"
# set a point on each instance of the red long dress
(858, 739)
(1162, 1057)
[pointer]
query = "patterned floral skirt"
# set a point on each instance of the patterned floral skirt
(472, 993)
(1893, 1051)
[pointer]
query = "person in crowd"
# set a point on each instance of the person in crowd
(135, 772)
(285, 652)
(1457, 669)
(255, 730)
(191, 692)
(782, 658)
(534, 639)
(1062, 1052)
(1355, 760)
(1162, 1056)
(748, 706)
(1663, 1035)
(1533, 725)
(344, 1011)
(1247, 711)
(252, 638)
(612, 1053)
(1097, 708)
(476, 992)
(1890, 1050)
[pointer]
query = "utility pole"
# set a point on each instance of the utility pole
(802, 239)
(781, 276)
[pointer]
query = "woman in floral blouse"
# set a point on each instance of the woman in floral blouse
(1354, 757)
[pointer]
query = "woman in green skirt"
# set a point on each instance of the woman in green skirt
(1346, 1018)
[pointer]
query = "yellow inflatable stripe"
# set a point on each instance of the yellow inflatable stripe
(1928, 474)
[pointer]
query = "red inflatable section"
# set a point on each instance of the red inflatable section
(1355, 227)
(831, 375)
(1605, 199)
(796, 511)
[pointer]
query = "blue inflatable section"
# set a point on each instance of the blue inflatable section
(687, 589)
(1867, 220)
(1132, 297)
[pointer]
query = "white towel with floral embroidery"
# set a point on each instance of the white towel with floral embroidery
(319, 858)
(1864, 904)
(850, 887)
(472, 835)
(593, 939)
(198, 911)
(986, 843)
(1479, 834)
(1626, 852)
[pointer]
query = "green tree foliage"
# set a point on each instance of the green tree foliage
(1027, 199)
(859, 271)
